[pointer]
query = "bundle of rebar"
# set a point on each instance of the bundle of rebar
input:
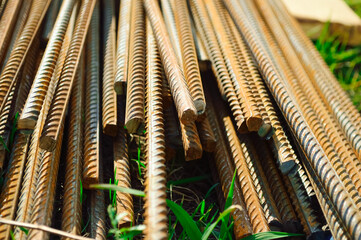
(236, 82)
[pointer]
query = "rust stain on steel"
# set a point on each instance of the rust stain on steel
(278, 190)
(91, 171)
(166, 93)
(56, 115)
(10, 73)
(243, 88)
(336, 99)
(7, 22)
(134, 112)
(247, 219)
(155, 182)
(122, 175)
(10, 193)
(191, 143)
(317, 159)
(46, 69)
(72, 209)
(206, 134)
(331, 128)
(180, 93)
(32, 163)
(189, 55)
(43, 205)
(123, 46)
(109, 111)
(204, 26)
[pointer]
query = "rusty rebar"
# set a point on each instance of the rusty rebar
(243, 88)
(97, 215)
(72, 208)
(124, 201)
(317, 159)
(10, 194)
(191, 143)
(50, 18)
(10, 73)
(46, 69)
(155, 181)
(56, 116)
(109, 107)
(180, 93)
(121, 75)
(7, 22)
(189, 55)
(134, 112)
(206, 134)
(92, 124)
(251, 219)
(204, 25)
(327, 85)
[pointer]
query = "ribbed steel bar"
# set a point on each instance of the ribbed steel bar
(72, 208)
(327, 85)
(204, 25)
(92, 123)
(122, 46)
(10, 194)
(122, 176)
(97, 215)
(180, 93)
(189, 55)
(7, 22)
(318, 161)
(332, 129)
(134, 112)
(191, 143)
(10, 73)
(155, 181)
(206, 135)
(46, 69)
(42, 210)
(251, 219)
(56, 115)
(33, 161)
(278, 190)
(243, 89)
(2, 7)
(109, 108)
(50, 18)
(166, 93)
(171, 126)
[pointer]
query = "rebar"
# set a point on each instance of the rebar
(46, 69)
(180, 93)
(155, 181)
(97, 215)
(50, 19)
(56, 116)
(109, 108)
(134, 112)
(121, 75)
(206, 135)
(92, 124)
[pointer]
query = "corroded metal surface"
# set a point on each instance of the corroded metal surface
(180, 93)
(72, 208)
(109, 108)
(123, 46)
(191, 143)
(155, 180)
(56, 116)
(46, 69)
(189, 55)
(134, 112)
(92, 124)
(318, 161)
(206, 135)
(97, 215)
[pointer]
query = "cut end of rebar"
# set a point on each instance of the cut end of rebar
(254, 123)
(188, 115)
(110, 129)
(47, 143)
(242, 127)
(89, 180)
(26, 123)
(265, 131)
(134, 125)
(193, 154)
(287, 166)
(119, 88)
(200, 106)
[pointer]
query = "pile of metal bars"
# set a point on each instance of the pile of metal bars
(234, 81)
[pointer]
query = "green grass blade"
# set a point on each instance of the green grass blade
(131, 191)
(185, 220)
(228, 203)
(187, 180)
(271, 235)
